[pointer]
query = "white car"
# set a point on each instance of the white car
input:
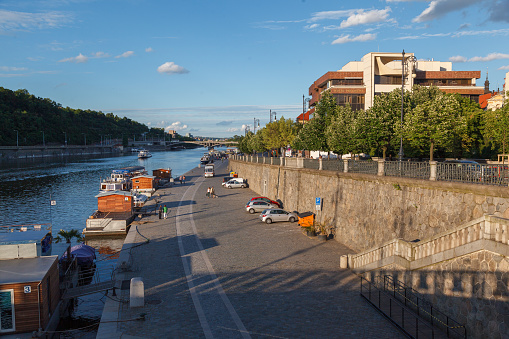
(277, 214)
(235, 183)
(258, 206)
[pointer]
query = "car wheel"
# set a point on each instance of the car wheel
(251, 210)
(268, 221)
(243, 186)
(292, 219)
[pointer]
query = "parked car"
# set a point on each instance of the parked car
(276, 214)
(236, 183)
(258, 206)
(226, 179)
(267, 200)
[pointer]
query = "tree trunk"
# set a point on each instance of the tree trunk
(431, 150)
(384, 150)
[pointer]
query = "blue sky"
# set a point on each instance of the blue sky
(211, 67)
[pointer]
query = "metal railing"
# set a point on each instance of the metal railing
(473, 173)
(333, 165)
(422, 307)
(409, 169)
(401, 310)
(363, 166)
(486, 174)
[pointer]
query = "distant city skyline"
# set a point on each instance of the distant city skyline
(210, 68)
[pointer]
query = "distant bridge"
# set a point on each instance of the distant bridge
(213, 143)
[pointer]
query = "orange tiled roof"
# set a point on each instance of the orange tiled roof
(483, 99)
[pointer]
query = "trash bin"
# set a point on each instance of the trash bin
(306, 219)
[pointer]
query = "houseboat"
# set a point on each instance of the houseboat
(144, 184)
(115, 212)
(143, 154)
(205, 159)
(29, 283)
(120, 179)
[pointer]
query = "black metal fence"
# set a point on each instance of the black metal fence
(466, 172)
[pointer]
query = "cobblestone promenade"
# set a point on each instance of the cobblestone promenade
(212, 270)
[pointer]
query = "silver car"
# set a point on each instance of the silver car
(276, 214)
(258, 206)
(235, 184)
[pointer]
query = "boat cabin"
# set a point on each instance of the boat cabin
(162, 173)
(144, 184)
(29, 294)
(115, 211)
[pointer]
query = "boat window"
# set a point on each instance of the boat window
(6, 310)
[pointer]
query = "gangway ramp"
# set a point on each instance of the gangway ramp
(79, 291)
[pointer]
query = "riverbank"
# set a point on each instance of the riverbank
(213, 270)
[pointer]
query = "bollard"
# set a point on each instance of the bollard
(137, 293)
(343, 261)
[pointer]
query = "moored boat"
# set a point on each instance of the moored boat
(144, 154)
(120, 179)
(205, 159)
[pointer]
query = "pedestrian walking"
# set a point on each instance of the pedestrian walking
(180, 179)
(160, 211)
(184, 179)
(165, 212)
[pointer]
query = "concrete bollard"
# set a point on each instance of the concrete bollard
(137, 293)
(343, 261)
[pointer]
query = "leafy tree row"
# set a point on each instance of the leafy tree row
(34, 118)
(435, 123)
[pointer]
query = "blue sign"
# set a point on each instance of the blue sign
(318, 204)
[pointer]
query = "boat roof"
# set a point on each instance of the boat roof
(26, 237)
(128, 169)
(105, 194)
(25, 269)
(144, 176)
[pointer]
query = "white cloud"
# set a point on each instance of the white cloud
(125, 55)
(171, 68)
(12, 69)
(409, 37)
(176, 126)
(149, 49)
(77, 59)
(439, 8)
(503, 68)
(330, 15)
(99, 55)
(490, 57)
(493, 32)
(15, 21)
(233, 129)
(362, 18)
(311, 27)
(458, 58)
(346, 38)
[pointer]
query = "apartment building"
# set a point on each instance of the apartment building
(358, 82)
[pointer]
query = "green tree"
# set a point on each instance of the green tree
(312, 136)
(434, 121)
(342, 134)
(257, 142)
(496, 127)
(379, 124)
(279, 133)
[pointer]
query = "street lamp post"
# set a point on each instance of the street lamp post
(304, 101)
(65, 139)
(404, 63)
(17, 143)
(255, 121)
(271, 114)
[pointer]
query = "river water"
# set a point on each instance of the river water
(28, 186)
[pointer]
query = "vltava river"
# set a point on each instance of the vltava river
(28, 186)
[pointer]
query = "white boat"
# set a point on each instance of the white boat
(120, 179)
(144, 154)
(139, 199)
(205, 159)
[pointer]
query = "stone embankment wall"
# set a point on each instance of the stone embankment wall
(366, 210)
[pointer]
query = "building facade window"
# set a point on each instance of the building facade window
(387, 80)
(356, 101)
(443, 82)
(6, 310)
(347, 82)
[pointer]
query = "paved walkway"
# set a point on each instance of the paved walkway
(212, 270)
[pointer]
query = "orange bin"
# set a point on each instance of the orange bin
(306, 219)
(234, 174)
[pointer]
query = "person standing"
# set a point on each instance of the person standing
(180, 179)
(160, 211)
(165, 212)
(184, 179)
(208, 192)
(212, 192)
